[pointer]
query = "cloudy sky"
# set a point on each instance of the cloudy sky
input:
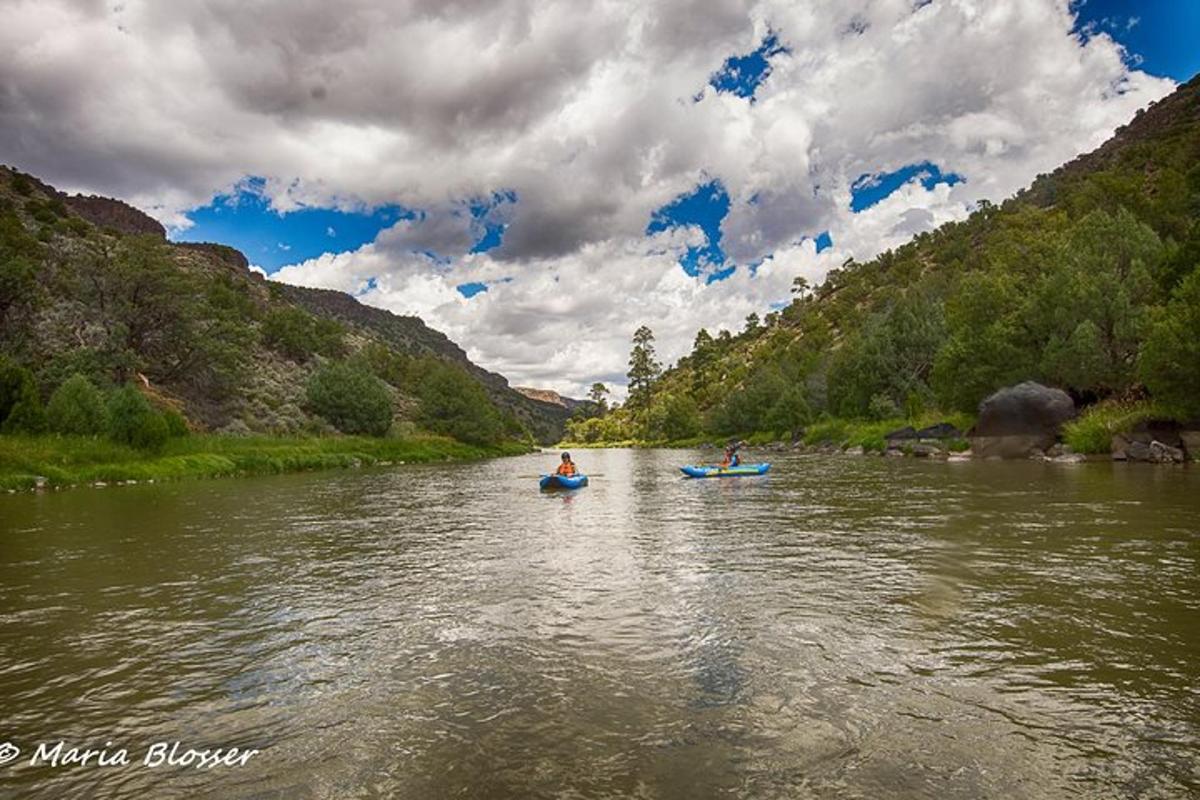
(537, 178)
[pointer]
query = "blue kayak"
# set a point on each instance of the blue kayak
(725, 472)
(563, 481)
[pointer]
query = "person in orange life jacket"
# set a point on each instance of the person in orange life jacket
(567, 467)
(731, 457)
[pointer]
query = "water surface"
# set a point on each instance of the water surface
(840, 628)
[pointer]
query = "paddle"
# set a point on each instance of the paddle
(588, 475)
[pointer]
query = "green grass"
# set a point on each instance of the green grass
(74, 460)
(1092, 431)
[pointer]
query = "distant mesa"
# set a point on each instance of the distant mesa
(548, 396)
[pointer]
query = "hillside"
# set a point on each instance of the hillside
(91, 285)
(1088, 281)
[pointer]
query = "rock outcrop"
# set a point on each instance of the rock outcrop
(1159, 441)
(1020, 420)
(105, 212)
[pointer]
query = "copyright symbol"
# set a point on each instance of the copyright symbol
(8, 752)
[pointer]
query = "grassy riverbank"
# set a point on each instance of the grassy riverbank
(80, 460)
(867, 434)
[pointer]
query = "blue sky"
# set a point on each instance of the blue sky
(1161, 36)
(269, 239)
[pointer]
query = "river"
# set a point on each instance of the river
(842, 627)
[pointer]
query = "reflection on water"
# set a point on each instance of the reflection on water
(839, 628)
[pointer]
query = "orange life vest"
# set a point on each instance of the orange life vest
(567, 468)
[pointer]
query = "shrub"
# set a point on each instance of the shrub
(1092, 431)
(176, 423)
(296, 334)
(133, 421)
(351, 399)
(76, 407)
(20, 405)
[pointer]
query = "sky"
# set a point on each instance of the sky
(538, 178)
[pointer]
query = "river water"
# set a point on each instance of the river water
(842, 627)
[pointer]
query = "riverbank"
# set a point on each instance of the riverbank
(51, 462)
(828, 433)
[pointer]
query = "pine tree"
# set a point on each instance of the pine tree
(643, 368)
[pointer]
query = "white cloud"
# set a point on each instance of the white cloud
(584, 109)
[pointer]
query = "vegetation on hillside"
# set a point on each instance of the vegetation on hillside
(1088, 281)
(136, 341)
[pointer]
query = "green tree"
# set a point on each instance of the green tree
(21, 408)
(1089, 309)
(1170, 360)
(454, 404)
(747, 408)
(13, 381)
(19, 289)
(752, 322)
(671, 417)
(789, 413)
(133, 421)
(27, 414)
(77, 407)
(598, 394)
(702, 360)
(350, 399)
(891, 356)
(988, 345)
(298, 335)
(643, 368)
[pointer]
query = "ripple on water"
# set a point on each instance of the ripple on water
(841, 627)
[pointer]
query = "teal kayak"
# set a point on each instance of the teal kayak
(563, 481)
(725, 472)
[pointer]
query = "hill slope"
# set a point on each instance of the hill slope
(1088, 280)
(91, 285)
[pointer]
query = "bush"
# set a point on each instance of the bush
(176, 424)
(350, 399)
(76, 407)
(133, 421)
(1092, 431)
(20, 405)
(297, 335)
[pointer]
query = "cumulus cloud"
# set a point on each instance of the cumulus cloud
(589, 114)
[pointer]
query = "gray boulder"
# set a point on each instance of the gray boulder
(1020, 420)
(1161, 453)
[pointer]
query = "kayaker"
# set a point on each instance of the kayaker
(567, 467)
(731, 457)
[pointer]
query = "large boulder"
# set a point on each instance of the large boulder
(1019, 420)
